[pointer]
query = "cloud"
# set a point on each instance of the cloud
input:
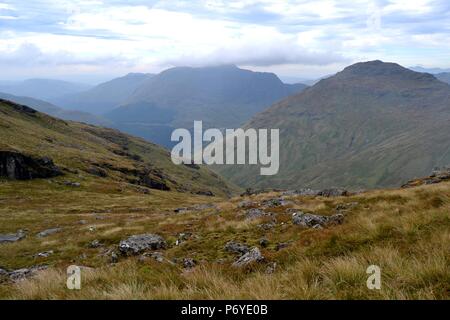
(260, 33)
(28, 54)
(258, 54)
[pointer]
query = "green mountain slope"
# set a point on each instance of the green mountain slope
(374, 124)
(100, 158)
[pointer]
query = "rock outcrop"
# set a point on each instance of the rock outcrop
(139, 243)
(316, 221)
(20, 274)
(438, 175)
(254, 255)
(12, 237)
(17, 166)
(48, 232)
(236, 247)
(255, 213)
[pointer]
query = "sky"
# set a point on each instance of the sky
(92, 41)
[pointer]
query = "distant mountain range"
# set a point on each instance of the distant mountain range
(429, 70)
(374, 124)
(105, 96)
(222, 97)
(55, 111)
(152, 106)
(43, 89)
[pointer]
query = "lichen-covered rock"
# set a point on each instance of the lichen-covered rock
(254, 255)
(247, 204)
(24, 273)
(336, 219)
(44, 254)
(48, 232)
(271, 268)
(308, 220)
(316, 221)
(188, 263)
(346, 206)
(236, 247)
(270, 203)
(3, 273)
(255, 213)
(140, 243)
(17, 166)
(72, 184)
(333, 192)
(95, 244)
(302, 192)
(12, 237)
(114, 257)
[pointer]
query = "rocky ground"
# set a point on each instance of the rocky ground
(130, 247)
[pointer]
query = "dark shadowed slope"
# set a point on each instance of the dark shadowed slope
(223, 96)
(44, 89)
(55, 111)
(105, 96)
(445, 76)
(374, 124)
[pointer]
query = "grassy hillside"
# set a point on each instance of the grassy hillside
(86, 152)
(374, 124)
(405, 232)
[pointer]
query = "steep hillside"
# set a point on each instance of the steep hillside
(96, 158)
(223, 97)
(44, 89)
(105, 96)
(374, 124)
(55, 111)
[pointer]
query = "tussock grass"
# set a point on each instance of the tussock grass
(405, 232)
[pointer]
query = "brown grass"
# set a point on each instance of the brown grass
(405, 232)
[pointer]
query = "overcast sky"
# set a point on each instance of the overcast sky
(95, 40)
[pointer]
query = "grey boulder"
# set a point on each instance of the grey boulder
(316, 221)
(12, 237)
(140, 243)
(254, 255)
(48, 232)
(236, 247)
(255, 213)
(24, 273)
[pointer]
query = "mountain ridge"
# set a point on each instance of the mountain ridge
(55, 111)
(220, 96)
(371, 125)
(105, 96)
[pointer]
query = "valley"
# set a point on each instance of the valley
(141, 227)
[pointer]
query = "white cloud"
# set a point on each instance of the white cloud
(254, 33)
